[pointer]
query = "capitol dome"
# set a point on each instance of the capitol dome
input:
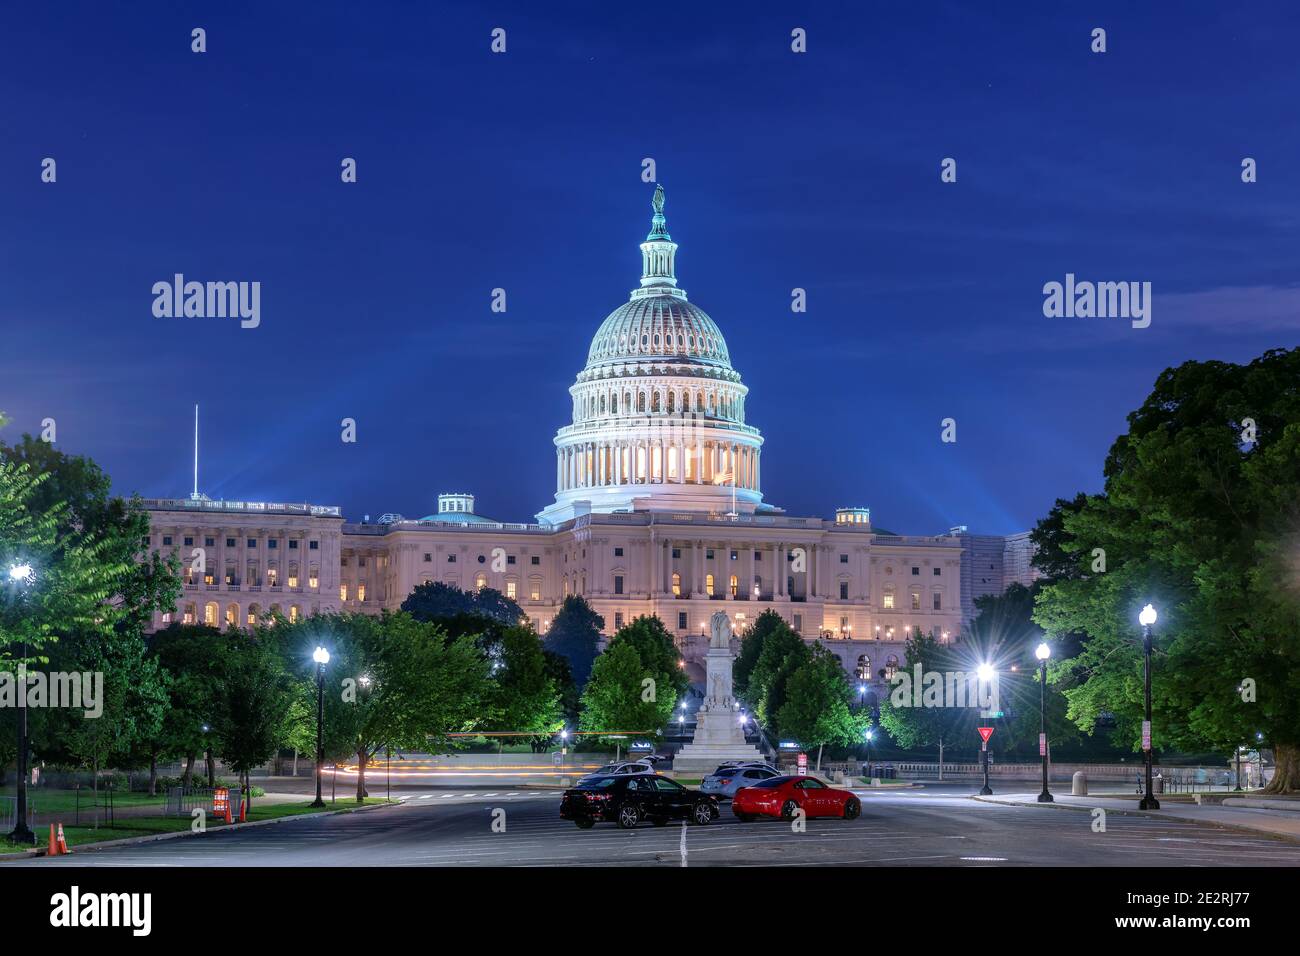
(658, 325)
(658, 411)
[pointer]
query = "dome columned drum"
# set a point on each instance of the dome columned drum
(658, 411)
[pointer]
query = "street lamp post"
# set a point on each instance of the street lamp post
(985, 674)
(1237, 788)
(20, 575)
(869, 734)
(1043, 652)
(1147, 618)
(322, 657)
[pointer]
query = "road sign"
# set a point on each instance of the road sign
(1042, 745)
(556, 758)
(1146, 735)
(803, 764)
(985, 733)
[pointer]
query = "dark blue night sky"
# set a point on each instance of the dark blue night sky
(522, 171)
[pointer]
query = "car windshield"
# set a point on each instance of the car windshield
(772, 784)
(597, 783)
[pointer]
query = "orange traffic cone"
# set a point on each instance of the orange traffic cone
(243, 809)
(228, 819)
(54, 845)
(62, 843)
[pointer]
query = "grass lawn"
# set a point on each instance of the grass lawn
(65, 801)
(150, 825)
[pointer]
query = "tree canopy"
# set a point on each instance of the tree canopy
(1199, 516)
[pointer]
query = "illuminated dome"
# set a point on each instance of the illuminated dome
(663, 325)
(658, 411)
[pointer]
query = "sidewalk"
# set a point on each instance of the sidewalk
(1283, 823)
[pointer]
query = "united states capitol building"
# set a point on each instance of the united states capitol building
(659, 509)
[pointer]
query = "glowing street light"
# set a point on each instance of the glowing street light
(20, 578)
(1147, 618)
(322, 657)
(1043, 652)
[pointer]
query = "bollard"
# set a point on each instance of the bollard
(1079, 784)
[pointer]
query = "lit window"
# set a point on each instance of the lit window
(677, 584)
(210, 615)
(480, 581)
(510, 590)
(361, 592)
(273, 576)
(343, 592)
(312, 580)
(735, 586)
(293, 614)
(916, 600)
(708, 584)
(535, 592)
(293, 579)
(889, 601)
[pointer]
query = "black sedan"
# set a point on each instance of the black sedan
(628, 800)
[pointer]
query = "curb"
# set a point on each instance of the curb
(1154, 814)
(156, 837)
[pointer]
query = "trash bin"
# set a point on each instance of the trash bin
(1157, 784)
(1079, 784)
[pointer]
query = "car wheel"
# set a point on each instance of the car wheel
(702, 814)
(852, 808)
(584, 823)
(745, 817)
(788, 809)
(628, 817)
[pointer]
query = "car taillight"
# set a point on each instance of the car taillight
(725, 782)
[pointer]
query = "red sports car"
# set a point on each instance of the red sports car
(781, 796)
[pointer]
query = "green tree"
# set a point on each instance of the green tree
(818, 708)
(912, 727)
(1198, 516)
(436, 601)
(659, 656)
(558, 670)
(523, 695)
(93, 588)
(783, 652)
(253, 701)
(392, 681)
(751, 648)
(616, 697)
(574, 635)
(191, 658)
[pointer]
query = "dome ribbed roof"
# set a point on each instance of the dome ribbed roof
(663, 326)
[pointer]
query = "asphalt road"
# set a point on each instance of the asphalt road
(932, 827)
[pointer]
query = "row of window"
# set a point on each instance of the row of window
(212, 614)
(271, 543)
(724, 406)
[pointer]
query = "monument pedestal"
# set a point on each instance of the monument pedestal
(718, 734)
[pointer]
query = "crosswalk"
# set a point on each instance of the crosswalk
(487, 795)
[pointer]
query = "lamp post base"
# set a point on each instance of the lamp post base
(986, 791)
(1046, 797)
(21, 834)
(1148, 803)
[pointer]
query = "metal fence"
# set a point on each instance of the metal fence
(9, 813)
(182, 801)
